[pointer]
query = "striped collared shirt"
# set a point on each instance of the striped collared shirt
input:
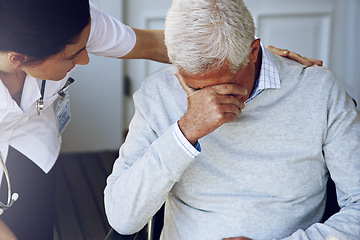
(269, 75)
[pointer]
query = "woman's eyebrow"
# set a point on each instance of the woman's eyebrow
(74, 55)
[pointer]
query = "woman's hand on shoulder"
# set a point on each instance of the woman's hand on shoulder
(294, 56)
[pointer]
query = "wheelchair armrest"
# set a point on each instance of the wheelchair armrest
(152, 230)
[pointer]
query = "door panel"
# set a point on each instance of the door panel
(302, 26)
(306, 34)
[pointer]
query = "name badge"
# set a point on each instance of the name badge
(62, 111)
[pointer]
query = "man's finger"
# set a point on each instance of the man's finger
(230, 99)
(300, 59)
(315, 61)
(230, 108)
(278, 51)
(229, 89)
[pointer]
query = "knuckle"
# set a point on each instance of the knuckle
(219, 119)
(217, 108)
(211, 99)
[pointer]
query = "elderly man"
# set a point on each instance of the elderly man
(246, 150)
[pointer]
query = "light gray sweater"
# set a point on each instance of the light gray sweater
(263, 176)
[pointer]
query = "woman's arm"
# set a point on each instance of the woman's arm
(150, 44)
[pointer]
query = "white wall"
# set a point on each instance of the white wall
(345, 50)
(353, 49)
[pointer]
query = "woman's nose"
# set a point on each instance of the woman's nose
(82, 58)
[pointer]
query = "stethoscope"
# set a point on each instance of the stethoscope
(11, 197)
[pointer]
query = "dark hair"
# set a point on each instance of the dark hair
(41, 28)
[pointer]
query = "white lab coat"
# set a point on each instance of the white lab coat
(37, 136)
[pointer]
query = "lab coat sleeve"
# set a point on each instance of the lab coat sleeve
(4, 146)
(9, 119)
(341, 150)
(9, 113)
(108, 36)
(8, 122)
(149, 164)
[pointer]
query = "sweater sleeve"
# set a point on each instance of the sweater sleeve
(341, 150)
(149, 164)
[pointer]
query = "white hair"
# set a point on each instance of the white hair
(207, 34)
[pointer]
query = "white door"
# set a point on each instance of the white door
(323, 29)
(96, 99)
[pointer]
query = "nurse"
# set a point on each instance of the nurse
(41, 41)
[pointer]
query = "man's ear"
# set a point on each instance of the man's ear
(255, 48)
(17, 59)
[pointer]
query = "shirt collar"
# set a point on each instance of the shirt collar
(269, 75)
(30, 94)
(31, 91)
